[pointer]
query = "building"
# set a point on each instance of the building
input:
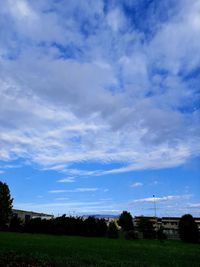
(170, 225)
(27, 215)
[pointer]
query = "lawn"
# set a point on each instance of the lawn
(46, 250)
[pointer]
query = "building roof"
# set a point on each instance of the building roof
(31, 212)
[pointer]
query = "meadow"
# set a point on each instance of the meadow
(18, 249)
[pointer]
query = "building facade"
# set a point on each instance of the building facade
(170, 225)
(27, 215)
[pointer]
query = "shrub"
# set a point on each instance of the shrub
(130, 235)
(112, 230)
(16, 224)
(145, 226)
(160, 234)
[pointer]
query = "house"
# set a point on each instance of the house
(27, 215)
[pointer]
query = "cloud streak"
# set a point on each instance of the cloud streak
(76, 190)
(160, 199)
(67, 180)
(137, 184)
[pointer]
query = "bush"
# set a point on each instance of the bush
(161, 235)
(64, 225)
(145, 226)
(101, 227)
(130, 235)
(16, 224)
(112, 230)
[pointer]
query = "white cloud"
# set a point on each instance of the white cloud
(67, 180)
(137, 184)
(194, 206)
(116, 20)
(76, 190)
(61, 198)
(21, 9)
(161, 199)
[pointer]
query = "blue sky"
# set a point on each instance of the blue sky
(99, 105)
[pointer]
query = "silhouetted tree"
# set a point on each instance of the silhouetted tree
(5, 205)
(188, 229)
(126, 221)
(112, 230)
(146, 227)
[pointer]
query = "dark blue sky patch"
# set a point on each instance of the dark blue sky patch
(69, 51)
(148, 15)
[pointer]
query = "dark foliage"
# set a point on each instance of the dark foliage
(67, 226)
(160, 234)
(126, 221)
(112, 230)
(16, 224)
(146, 227)
(188, 229)
(130, 235)
(5, 205)
(91, 226)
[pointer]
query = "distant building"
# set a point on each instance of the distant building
(27, 215)
(170, 227)
(168, 224)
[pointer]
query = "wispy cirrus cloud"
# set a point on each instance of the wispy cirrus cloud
(161, 199)
(194, 205)
(137, 184)
(66, 180)
(76, 190)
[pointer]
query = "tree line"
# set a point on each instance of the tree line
(63, 225)
(90, 226)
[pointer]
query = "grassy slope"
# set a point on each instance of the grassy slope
(80, 251)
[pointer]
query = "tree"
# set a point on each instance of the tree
(112, 230)
(188, 229)
(5, 205)
(126, 221)
(146, 227)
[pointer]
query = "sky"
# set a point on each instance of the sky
(99, 105)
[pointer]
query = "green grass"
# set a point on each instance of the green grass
(81, 251)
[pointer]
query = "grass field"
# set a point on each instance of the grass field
(46, 250)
